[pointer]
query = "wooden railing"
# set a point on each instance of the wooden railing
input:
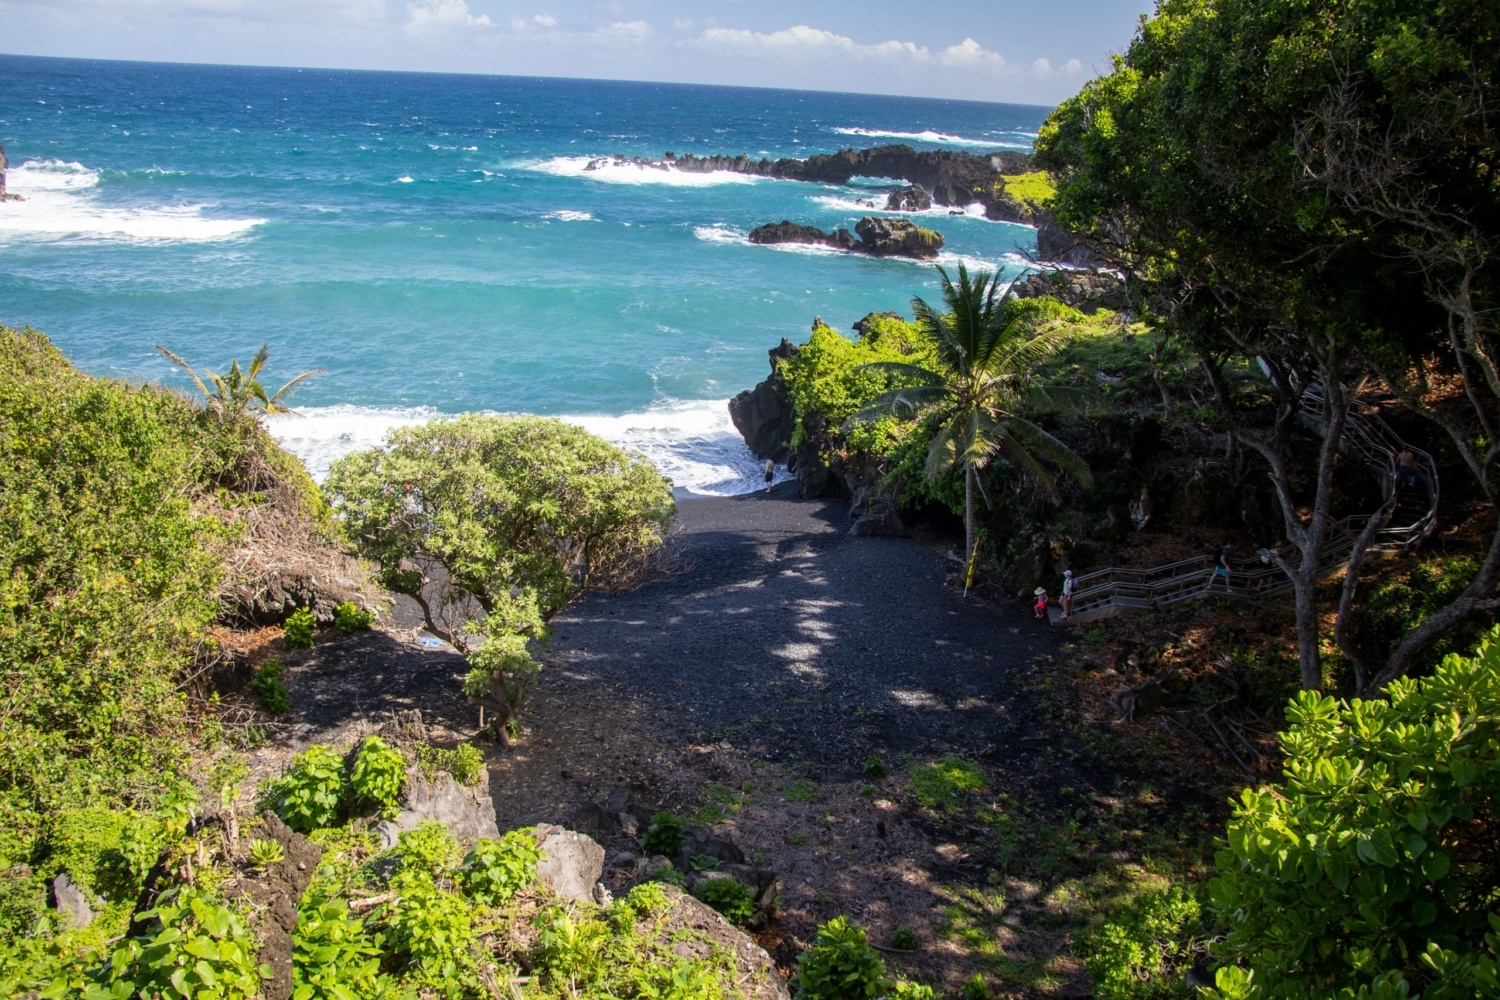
(1107, 592)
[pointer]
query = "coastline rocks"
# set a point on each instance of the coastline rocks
(764, 415)
(790, 232)
(909, 199)
(877, 237)
(1055, 243)
(874, 511)
(1086, 291)
(897, 238)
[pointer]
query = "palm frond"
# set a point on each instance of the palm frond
(187, 368)
(923, 376)
(258, 362)
(292, 384)
(1022, 457)
(1038, 442)
(1060, 398)
(903, 404)
(943, 452)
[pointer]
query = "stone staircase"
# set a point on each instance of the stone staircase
(1117, 590)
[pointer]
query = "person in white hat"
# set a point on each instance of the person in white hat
(1067, 594)
(1041, 602)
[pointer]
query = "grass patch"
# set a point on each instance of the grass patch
(1033, 190)
(945, 784)
(721, 802)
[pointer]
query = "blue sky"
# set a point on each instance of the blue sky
(999, 50)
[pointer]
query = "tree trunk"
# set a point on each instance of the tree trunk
(1307, 629)
(968, 518)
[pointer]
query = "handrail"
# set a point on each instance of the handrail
(1109, 591)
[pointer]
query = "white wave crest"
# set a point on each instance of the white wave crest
(568, 215)
(610, 172)
(693, 443)
(876, 206)
(718, 233)
(404, 179)
(62, 200)
(928, 136)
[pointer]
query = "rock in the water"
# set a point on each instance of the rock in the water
(897, 238)
(909, 199)
(469, 813)
(73, 908)
(571, 862)
(764, 415)
(1087, 291)
(786, 231)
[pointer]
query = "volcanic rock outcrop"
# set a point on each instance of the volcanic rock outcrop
(877, 237)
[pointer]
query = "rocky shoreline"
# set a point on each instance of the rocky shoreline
(877, 237)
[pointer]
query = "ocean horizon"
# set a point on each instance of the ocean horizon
(436, 242)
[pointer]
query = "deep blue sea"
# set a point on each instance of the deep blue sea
(435, 243)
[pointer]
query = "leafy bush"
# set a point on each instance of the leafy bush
(198, 948)
(1373, 867)
(378, 774)
(648, 899)
(309, 794)
(334, 958)
(106, 851)
(945, 783)
(269, 687)
(977, 988)
(1143, 953)
(430, 927)
(495, 870)
(465, 762)
(572, 950)
(429, 849)
(299, 628)
(841, 965)
(349, 618)
(664, 835)
(904, 939)
(732, 899)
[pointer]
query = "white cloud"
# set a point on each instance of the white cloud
(1072, 67)
(804, 43)
(621, 34)
(684, 23)
(1042, 69)
(545, 20)
(969, 54)
(430, 16)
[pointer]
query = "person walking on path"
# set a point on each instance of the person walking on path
(1407, 476)
(770, 472)
(1067, 594)
(1041, 602)
(1221, 567)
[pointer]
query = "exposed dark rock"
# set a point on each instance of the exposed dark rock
(764, 415)
(701, 933)
(874, 512)
(702, 845)
(897, 238)
(909, 199)
(1088, 291)
(1055, 243)
(864, 326)
(763, 883)
(790, 232)
(275, 892)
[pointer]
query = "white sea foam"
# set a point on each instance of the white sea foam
(610, 172)
(876, 206)
(718, 234)
(62, 200)
(404, 179)
(693, 443)
(928, 136)
(948, 259)
(568, 215)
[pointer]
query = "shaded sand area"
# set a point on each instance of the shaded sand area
(746, 687)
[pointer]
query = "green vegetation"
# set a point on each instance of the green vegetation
(558, 510)
(268, 686)
(494, 871)
(349, 618)
(1373, 868)
(238, 395)
(841, 965)
(1034, 190)
(298, 631)
(946, 783)
(665, 835)
(378, 775)
(1145, 951)
(311, 792)
(465, 762)
(733, 899)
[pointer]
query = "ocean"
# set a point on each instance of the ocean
(435, 243)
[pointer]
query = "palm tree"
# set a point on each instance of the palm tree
(986, 346)
(237, 393)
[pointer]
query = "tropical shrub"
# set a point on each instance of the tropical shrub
(841, 965)
(1373, 867)
(268, 686)
(648, 899)
(495, 870)
(429, 849)
(299, 628)
(198, 947)
(309, 794)
(1143, 953)
(349, 618)
(664, 835)
(465, 762)
(379, 773)
(334, 957)
(734, 900)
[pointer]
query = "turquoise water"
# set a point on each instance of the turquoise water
(434, 242)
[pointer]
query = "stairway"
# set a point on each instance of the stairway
(1116, 590)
